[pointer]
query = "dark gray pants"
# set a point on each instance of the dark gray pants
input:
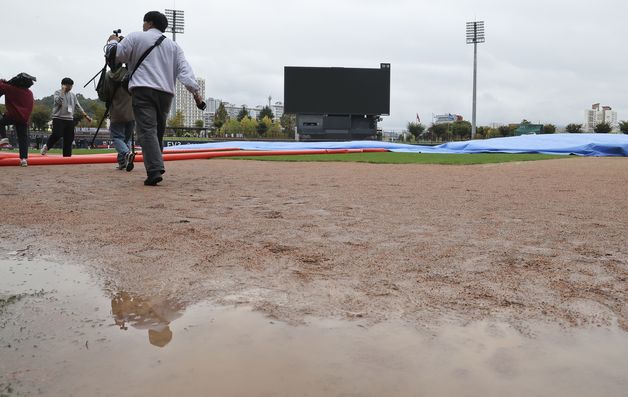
(151, 108)
(22, 134)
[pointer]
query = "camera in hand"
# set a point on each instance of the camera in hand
(117, 33)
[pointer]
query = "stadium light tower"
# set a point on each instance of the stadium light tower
(175, 25)
(475, 35)
(176, 22)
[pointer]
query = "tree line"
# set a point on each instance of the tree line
(262, 125)
(42, 112)
(461, 130)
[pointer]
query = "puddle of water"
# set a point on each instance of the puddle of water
(59, 335)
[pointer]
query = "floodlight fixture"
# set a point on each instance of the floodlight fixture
(475, 35)
(475, 32)
(176, 22)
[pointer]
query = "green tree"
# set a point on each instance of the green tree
(199, 124)
(221, 116)
(177, 120)
(288, 122)
(3, 109)
(40, 117)
(480, 132)
(603, 128)
(92, 106)
(230, 126)
(623, 126)
(98, 111)
(573, 128)
(274, 128)
(492, 133)
(266, 112)
(47, 101)
(244, 112)
(82, 121)
(264, 125)
(439, 131)
(415, 129)
(549, 129)
(503, 130)
(461, 129)
(248, 126)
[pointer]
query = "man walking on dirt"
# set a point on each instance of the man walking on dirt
(152, 84)
(19, 104)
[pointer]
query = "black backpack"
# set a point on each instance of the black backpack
(109, 82)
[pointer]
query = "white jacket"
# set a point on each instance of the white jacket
(161, 68)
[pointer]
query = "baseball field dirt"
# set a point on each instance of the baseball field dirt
(541, 241)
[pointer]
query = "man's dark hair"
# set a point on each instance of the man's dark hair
(67, 80)
(158, 19)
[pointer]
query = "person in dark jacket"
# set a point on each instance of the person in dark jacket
(19, 103)
(122, 122)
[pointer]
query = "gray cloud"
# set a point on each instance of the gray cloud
(544, 61)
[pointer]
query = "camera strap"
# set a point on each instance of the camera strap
(145, 54)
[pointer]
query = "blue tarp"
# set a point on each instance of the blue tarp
(578, 144)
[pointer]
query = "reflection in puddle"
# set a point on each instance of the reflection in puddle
(61, 336)
(154, 315)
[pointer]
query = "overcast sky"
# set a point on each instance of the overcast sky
(543, 60)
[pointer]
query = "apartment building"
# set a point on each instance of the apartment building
(599, 114)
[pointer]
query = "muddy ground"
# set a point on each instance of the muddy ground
(515, 242)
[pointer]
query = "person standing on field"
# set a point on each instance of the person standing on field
(65, 104)
(152, 84)
(19, 104)
(122, 124)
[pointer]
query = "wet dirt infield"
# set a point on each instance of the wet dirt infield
(540, 241)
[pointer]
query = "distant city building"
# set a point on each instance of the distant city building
(599, 114)
(183, 102)
(255, 111)
(277, 109)
(232, 109)
(208, 119)
(446, 118)
(212, 105)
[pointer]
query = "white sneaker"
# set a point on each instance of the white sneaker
(4, 141)
(23, 163)
(44, 150)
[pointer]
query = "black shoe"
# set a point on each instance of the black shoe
(153, 180)
(129, 161)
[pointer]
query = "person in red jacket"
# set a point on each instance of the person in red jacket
(19, 105)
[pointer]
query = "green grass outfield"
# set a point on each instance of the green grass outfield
(83, 151)
(408, 158)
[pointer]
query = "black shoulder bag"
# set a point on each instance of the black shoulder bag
(127, 78)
